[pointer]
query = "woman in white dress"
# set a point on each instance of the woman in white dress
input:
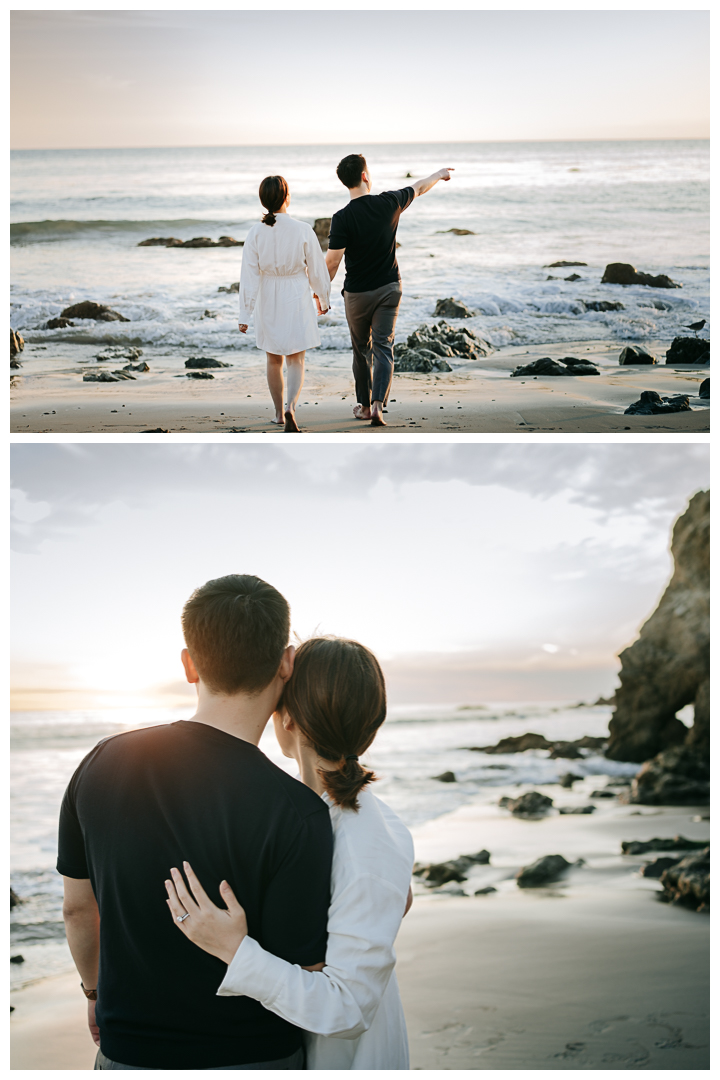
(282, 269)
(350, 1006)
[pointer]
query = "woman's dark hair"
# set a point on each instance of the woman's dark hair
(336, 696)
(236, 629)
(350, 170)
(273, 193)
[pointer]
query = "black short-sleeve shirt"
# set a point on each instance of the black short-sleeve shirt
(367, 228)
(144, 801)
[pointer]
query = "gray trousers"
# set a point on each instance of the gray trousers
(371, 317)
(295, 1061)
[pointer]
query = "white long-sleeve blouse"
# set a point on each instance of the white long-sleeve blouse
(351, 1009)
(282, 266)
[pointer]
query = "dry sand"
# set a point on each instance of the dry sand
(590, 973)
(48, 395)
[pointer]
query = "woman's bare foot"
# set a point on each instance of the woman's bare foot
(279, 419)
(376, 415)
(290, 422)
(361, 412)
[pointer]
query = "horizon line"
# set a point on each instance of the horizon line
(292, 146)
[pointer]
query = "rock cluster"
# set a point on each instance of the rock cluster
(235, 287)
(601, 305)
(636, 354)
(564, 262)
(569, 365)
(448, 777)
(668, 666)
(548, 868)
(428, 346)
(678, 776)
(119, 352)
(527, 805)
(106, 376)
(688, 350)
(518, 744)
(688, 882)
(58, 324)
(450, 308)
(655, 868)
(321, 228)
(455, 232)
(677, 843)
(196, 242)
(625, 274)
(652, 404)
(88, 309)
(436, 874)
(205, 362)
(576, 809)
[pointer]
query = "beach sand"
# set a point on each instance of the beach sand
(48, 395)
(590, 973)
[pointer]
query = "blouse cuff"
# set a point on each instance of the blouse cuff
(253, 973)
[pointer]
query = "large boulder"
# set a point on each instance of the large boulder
(161, 241)
(688, 350)
(436, 874)
(625, 274)
(603, 305)
(531, 804)
(679, 776)
(200, 362)
(88, 309)
(704, 391)
(564, 262)
(518, 744)
(668, 666)
(58, 324)
(652, 404)
(675, 843)
(569, 365)
(321, 228)
(450, 308)
(688, 882)
(548, 868)
(636, 354)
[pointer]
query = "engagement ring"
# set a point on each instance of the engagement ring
(182, 918)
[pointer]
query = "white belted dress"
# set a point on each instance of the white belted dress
(282, 266)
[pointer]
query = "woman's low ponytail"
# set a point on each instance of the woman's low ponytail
(273, 193)
(343, 785)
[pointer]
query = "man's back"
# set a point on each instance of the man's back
(144, 801)
(366, 228)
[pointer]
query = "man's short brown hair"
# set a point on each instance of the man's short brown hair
(350, 170)
(236, 629)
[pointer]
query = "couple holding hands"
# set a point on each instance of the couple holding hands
(283, 270)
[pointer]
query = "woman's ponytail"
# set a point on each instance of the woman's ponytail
(343, 785)
(273, 193)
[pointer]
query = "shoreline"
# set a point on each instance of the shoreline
(591, 972)
(478, 396)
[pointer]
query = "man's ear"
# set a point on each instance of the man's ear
(287, 663)
(190, 670)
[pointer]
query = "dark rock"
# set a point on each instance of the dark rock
(603, 305)
(576, 809)
(446, 777)
(14, 899)
(668, 666)
(594, 742)
(17, 959)
(486, 891)
(197, 375)
(198, 242)
(88, 309)
(321, 228)
(625, 274)
(15, 365)
(564, 262)
(230, 241)
(406, 360)
(655, 868)
(574, 277)
(161, 241)
(142, 366)
(529, 804)
(578, 367)
(157, 431)
(704, 391)
(428, 345)
(545, 366)
(99, 376)
(517, 744)
(123, 373)
(548, 868)
(635, 354)
(603, 793)
(209, 314)
(17, 343)
(688, 350)
(205, 362)
(235, 287)
(678, 776)
(688, 882)
(567, 751)
(58, 324)
(119, 353)
(568, 779)
(605, 701)
(651, 404)
(450, 308)
(677, 843)
(455, 232)
(436, 874)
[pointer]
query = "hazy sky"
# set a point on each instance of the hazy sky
(476, 572)
(211, 78)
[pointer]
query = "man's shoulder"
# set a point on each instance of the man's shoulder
(301, 799)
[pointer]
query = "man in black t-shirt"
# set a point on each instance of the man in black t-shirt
(364, 232)
(198, 790)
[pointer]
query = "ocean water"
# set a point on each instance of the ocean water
(415, 745)
(78, 216)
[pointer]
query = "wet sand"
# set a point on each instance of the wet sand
(592, 972)
(48, 395)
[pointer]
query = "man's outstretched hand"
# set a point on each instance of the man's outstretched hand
(422, 186)
(444, 174)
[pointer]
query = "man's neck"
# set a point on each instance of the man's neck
(244, 716)
(358, 192)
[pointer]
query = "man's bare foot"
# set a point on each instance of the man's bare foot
(376, 416)
(361, 412)
(290, 422)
